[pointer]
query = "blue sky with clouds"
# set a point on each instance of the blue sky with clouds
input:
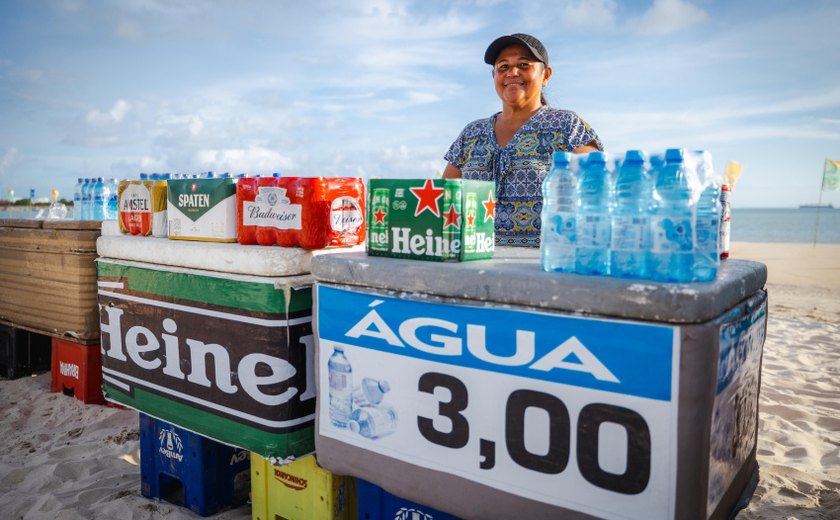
(382, 87)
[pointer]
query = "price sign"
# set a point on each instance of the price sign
(576, 412)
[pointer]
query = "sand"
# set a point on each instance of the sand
(61, 459)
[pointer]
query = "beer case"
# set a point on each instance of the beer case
(202, 209)
(307, 212)
(142, 207)
(431, 219)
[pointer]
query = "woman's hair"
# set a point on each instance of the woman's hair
(543, 101)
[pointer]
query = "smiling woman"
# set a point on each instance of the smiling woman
(513, 147)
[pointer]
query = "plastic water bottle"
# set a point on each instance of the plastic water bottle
(672, 235)
(557, 235)
(373, 421)
(341, 388)
(111, 205)
(707, 223)
(87, 199)
(100, 199)
(370, 392)
(77, 198)
(632, 205)
(592, 226)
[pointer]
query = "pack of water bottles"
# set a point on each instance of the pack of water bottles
(358, 408)
(95, 199)
(648, 217)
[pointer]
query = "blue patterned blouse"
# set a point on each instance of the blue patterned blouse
(519, 168)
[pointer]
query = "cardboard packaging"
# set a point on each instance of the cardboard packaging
(202, 209)
(424, 219)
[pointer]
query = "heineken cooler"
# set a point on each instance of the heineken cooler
(517, 393)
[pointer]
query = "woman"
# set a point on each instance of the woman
(514, 147)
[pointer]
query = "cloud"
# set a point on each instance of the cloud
(594, 14)
(254, 159)
(668, 16)
(114, 115)
(128, 30)
(8, 159)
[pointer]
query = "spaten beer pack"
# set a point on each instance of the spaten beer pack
(202, 209)
(431, 219)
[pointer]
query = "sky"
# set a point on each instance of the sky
(381, 88)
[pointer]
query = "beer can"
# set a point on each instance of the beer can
(380, 202)
(470, 214)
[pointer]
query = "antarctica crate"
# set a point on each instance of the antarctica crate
(188, 470)
(302, 489)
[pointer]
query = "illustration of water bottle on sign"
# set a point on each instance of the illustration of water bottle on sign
(359, 408)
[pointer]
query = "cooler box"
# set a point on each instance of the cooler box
(77, 370)
(377, 504)
(189, 470)
(299, 490)
(48, 276)
(22, 352)
(516, 393)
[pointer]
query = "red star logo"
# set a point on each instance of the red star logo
(451, 217)
(471, 220)
(380, 216)
(427, 197)
(489, 207)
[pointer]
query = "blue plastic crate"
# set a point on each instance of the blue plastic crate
(189, 470)
(377, 504)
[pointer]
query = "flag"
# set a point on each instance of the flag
(732, 172)
(831, 176)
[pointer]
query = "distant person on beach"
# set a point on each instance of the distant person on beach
(514, 147)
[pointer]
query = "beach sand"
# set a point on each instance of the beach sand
(61, 459)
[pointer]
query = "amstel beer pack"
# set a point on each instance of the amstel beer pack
(431, 219)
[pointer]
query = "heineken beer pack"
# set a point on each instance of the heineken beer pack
(202, 209)
(431, 219)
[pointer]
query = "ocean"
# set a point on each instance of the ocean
(748, 225)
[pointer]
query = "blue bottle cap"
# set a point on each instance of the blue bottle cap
(634, 156)
(597, 158)
(562, 158)
(674, 154)
(275, 174)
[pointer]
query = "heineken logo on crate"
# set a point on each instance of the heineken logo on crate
(249, 360)
(431, 219)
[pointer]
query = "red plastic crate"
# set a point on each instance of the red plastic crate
(77, 370)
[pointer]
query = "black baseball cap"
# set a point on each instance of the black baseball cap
(526, 40)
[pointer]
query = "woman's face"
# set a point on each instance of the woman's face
(519, 77)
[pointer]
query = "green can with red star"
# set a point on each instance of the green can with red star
(443, 220)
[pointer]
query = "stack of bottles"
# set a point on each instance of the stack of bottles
(654, 218)
(95, 199)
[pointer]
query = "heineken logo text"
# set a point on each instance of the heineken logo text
(406, 243)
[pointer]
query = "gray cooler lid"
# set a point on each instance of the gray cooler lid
(514, 277)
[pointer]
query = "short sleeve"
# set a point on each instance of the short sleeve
(581, 133)
(455, 155)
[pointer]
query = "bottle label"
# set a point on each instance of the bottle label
(338, 380)
(562, 226)
(381, 422)
(672, 235)
(593, 230)
(630, 233)
(707, 232)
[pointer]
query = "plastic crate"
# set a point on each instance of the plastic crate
(300, 490)
(22, 352)
(189, 470)
(377, 504)
(77, 371)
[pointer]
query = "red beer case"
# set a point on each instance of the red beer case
(307, 212)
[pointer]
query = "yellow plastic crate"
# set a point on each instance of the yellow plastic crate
(301, 490)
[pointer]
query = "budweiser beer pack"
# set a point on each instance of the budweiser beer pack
(202, 209)
(307, 212)
(425, 219)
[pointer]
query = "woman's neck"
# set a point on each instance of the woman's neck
(515, 116)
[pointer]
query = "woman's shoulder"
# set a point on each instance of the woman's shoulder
(551, 116)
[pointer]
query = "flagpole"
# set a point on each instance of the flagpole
(819, 204)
